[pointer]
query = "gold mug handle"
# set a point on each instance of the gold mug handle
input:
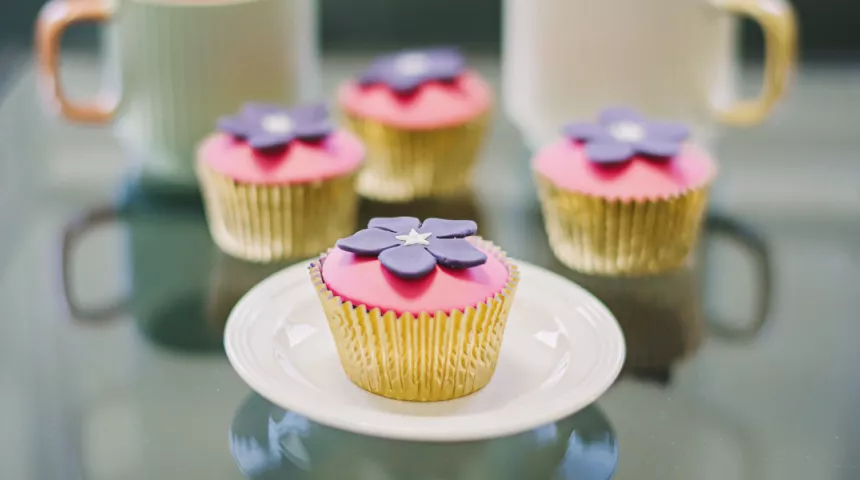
(54, 18)
(779, 24)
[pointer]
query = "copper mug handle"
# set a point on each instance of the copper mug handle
(54, 18)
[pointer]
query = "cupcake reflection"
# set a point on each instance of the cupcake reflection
(663, 316)
(268, 442)
(229, 281)
(166, 258)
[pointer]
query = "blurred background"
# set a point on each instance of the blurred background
(79, 402)
(828, 26)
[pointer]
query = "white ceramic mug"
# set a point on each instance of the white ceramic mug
(177, 65)
(567, 59)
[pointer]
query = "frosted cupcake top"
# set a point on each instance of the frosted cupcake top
(625, 156)
(270, 144)
(405, 265)
(417, 89)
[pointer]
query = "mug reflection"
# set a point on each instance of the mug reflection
(665, 317)
(181, 287)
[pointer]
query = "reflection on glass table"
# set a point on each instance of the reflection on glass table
(664, 317)
(101, 400)
(270, 443)
(182, 287)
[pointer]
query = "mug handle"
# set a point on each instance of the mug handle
(718, 224)
(72, 235)
(779, 24)
(54, 18)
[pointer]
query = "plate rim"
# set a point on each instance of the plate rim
(596, 387)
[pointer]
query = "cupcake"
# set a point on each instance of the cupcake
(417, 310)
(279, 183)
(423, 116)
(623, 196)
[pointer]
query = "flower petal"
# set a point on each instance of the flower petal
(314, 130)
(654, 147)
(442, 228)
(670, 131)
(311, 122)
(614, 115)
(233, 125)
(608, 152)
(403, 84)
(456, 253)
(583, 132)
(370, 76)
(445, 63)
(262, 140)
(394, 224)
(405, 71)
(368, 242)
(311, 113)
(410, 262)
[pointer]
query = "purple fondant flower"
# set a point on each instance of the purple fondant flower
(266, 126)
(403, 72)
(411, 249)
(622, 133)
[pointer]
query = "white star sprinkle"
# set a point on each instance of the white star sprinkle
(277, 123)
(627, 131)
(412, 64)
(414, 238)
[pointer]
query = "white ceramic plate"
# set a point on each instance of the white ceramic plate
(562, 350)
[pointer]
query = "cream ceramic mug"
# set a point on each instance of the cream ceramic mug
(568, 59)
(175, 66)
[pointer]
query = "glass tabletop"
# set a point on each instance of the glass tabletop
(740, 366)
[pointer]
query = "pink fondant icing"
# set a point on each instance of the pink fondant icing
(300, 162)
(565, 164)
(433, 105)
(364, 281)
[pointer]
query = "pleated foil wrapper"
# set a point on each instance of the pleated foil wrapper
(403, 165)
(601, 236)
(266, 223)
(426, 357)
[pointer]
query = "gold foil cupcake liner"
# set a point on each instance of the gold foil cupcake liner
(621, 237)
(403, 165)
(265, 223)
(426, 357)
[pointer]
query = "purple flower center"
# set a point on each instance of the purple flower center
(412, 64)
(629, 132)
(414, 238)
(277, 124)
